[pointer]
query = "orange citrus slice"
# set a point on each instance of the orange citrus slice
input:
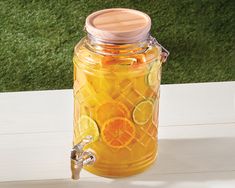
(111, 109)
(87, 127)
(118, 132)
(153, 77)
(143, 112)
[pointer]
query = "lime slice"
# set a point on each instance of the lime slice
(87, 127)
(143, 112)
(153, 77)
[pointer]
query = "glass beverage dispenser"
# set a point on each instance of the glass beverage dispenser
(117, 73)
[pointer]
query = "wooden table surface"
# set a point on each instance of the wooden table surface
(196, 140)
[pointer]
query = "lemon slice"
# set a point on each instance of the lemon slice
(87, 127)
(118, 132)
(153, 77)
(143, 112)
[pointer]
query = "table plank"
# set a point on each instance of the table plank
(203, 103)
(182, 149)
(192, 180)
(52, 111)
(36, 111)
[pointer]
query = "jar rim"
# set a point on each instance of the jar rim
(118, 25)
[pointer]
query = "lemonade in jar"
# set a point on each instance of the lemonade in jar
(117, 73)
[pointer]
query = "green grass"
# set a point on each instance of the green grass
(37, 39)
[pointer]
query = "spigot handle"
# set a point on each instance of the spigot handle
(80, 158)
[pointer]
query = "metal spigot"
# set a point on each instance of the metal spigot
(80, 158)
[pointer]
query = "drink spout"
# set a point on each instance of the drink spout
(80, 158)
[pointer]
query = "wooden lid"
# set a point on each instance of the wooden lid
(118, 25)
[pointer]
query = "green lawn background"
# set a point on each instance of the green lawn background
(37, 39)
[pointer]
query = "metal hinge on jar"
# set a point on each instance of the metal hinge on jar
(164, 54)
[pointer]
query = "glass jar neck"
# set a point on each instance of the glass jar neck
(107, 48)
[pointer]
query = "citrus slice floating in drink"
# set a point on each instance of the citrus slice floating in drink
(87, 127)
(118, 132)
(109, 110)
(143, 112)
(153, 78)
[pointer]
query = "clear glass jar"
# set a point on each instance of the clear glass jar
(116, 102)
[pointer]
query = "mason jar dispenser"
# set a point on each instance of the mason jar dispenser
(117, 73)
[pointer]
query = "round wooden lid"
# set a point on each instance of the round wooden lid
(118, 25)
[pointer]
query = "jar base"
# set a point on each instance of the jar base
(118, 172)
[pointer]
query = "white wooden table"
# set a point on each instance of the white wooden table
(196, 138)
